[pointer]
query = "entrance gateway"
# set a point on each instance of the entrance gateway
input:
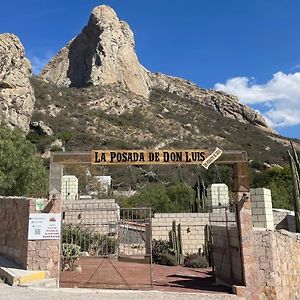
(237, 159)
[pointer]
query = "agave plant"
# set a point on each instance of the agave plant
(295, 168)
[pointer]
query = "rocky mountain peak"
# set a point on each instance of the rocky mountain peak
(105, 15)
(102, 54)
(16, 94)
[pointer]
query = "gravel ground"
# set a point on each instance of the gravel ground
(16, 293)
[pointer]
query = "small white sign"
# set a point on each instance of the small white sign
(210, 159)
(39, 204)
(44, 226)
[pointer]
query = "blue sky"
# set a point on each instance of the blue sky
(248, 48)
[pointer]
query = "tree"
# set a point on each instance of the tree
(181, 196)
(177, 197)
(279, 181)
(21, 172)
(153, 196)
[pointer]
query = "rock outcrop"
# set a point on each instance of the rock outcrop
(227, 105)
(41, 129)
(103, 53)
(16, 94)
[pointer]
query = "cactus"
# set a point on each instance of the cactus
(295, 168)
(70, 253)
(176, 242)
(180, 255)
(208, 243)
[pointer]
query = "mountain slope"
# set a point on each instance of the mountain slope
(125, 120)
(95, 93)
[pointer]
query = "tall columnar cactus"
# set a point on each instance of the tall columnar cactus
(176, 242)
(295, 168)
(208, 243)
(180, 255)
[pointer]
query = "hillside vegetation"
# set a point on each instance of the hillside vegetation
(165, 121)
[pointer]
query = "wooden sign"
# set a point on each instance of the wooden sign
(147, 157)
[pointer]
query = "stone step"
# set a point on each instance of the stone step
(13, 274)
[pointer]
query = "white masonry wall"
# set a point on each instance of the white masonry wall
(262, 213)
(69, 189)
(192, 229)
(217, 195)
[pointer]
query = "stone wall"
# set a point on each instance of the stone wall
(278, 261)
(14, 244)
(14, 213)
(192, 226)
(284, 219)
(101, 215)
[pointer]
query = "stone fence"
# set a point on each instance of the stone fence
(284, 219)
(278, 261)
(14, 242)
(14, 229)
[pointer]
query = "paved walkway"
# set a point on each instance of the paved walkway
(19, 293)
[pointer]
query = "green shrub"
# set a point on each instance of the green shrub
(168, 259)
(159, 249)
(76, 235)
(195, 260)
(102, 245)
(92, 242)
(161, 253)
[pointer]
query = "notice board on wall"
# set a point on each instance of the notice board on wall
(44, 226)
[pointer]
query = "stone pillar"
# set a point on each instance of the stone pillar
(245, 225)
(45, 254)
(262, 213)
(55, 178)
(69, 189)
(217, 195)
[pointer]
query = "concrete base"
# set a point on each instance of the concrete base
(43, 283)
(14, 275)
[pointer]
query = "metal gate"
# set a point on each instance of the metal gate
(104, 246)
(225, 245)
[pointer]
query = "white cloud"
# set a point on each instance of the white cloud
(296, 67)
(38, 62)
(280, 96)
